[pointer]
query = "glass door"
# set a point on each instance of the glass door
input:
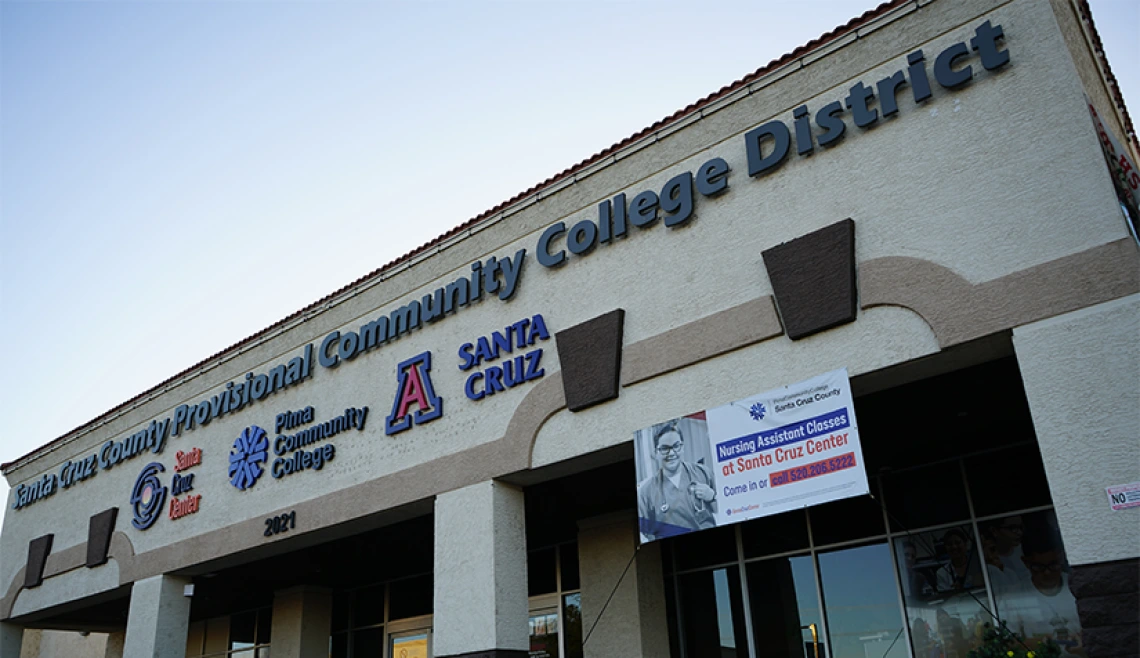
(544, 632)
(410, 645)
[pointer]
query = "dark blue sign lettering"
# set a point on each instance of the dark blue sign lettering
(523, 368)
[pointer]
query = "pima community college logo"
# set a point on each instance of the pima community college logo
(250, 450)
(414, 387)
(148, 496)
(757, 411)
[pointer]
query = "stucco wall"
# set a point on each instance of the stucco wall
(1081, 372)
(987, 180)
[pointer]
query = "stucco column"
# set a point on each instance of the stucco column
(159, 618)
(633, 624)
(480, 573)
(1082, 378)
(11, 639)
(302, 621)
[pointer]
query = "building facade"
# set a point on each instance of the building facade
(438, 459)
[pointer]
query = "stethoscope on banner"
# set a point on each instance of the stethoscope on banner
(697, 503)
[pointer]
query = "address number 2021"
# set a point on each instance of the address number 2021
(276, 525)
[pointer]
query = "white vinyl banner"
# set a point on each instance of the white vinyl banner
(786, 449)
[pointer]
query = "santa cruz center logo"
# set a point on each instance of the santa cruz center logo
(148, 496)
(250, 451)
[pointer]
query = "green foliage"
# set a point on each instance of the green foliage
(1004, 643)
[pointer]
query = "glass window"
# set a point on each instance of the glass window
(859, 592)
(713, 613)
(944, 590)
(340, 611)
(368, 606)
(705, 548)
(671, 613)
(540, 572)
(410, 597)
(847, 519)
(572, 624)
(243, 629)
(544, 634)
(1030, 578)
(1007, 480)
(568, 561)
(338, 646)
(368, 643)
(782, 533)
(926, 496)
(785, 607)
(264, 625)
(412, 645)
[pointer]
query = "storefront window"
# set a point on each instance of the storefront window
(1030, 579)
(368, 642)
(931, 598)
(1007, 480)
(241, 635)
(772, 535)
(364, 619)
(713, 614)
(541, 571)
(944, 590)
(555, 606)
(926, 496)
(859, 593)
(847, 519)
(544, 634)
(410, 597)
(715, 546)
(572, 623)
(785, 607)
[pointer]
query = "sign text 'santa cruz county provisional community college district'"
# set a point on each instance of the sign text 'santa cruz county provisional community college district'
(767, 148)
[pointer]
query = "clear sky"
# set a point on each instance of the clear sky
(175, 176)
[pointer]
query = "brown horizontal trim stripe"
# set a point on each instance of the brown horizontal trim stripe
(958, 311)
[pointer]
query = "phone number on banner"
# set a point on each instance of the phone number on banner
(814, 469)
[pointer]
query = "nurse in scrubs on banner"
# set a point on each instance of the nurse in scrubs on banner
(681, 496)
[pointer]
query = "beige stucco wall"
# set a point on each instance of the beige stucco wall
(1081, 373)
(994, 178)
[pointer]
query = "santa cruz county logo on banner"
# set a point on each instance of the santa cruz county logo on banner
(250, 451)
(148, 497)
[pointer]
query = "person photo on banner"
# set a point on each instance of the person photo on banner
(680, 496)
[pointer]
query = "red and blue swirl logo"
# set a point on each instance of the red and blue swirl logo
(250, 451)
(148, 496)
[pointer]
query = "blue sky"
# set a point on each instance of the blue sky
(176, 176)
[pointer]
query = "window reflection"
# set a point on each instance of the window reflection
(784, 605)
(572, 624)
(544, 634)
(863, 616)
(943, 498)
(782, 533)
(713, 614)
(1030, 578)
(944, 591)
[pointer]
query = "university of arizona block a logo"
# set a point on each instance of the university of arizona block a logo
(414, 389)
